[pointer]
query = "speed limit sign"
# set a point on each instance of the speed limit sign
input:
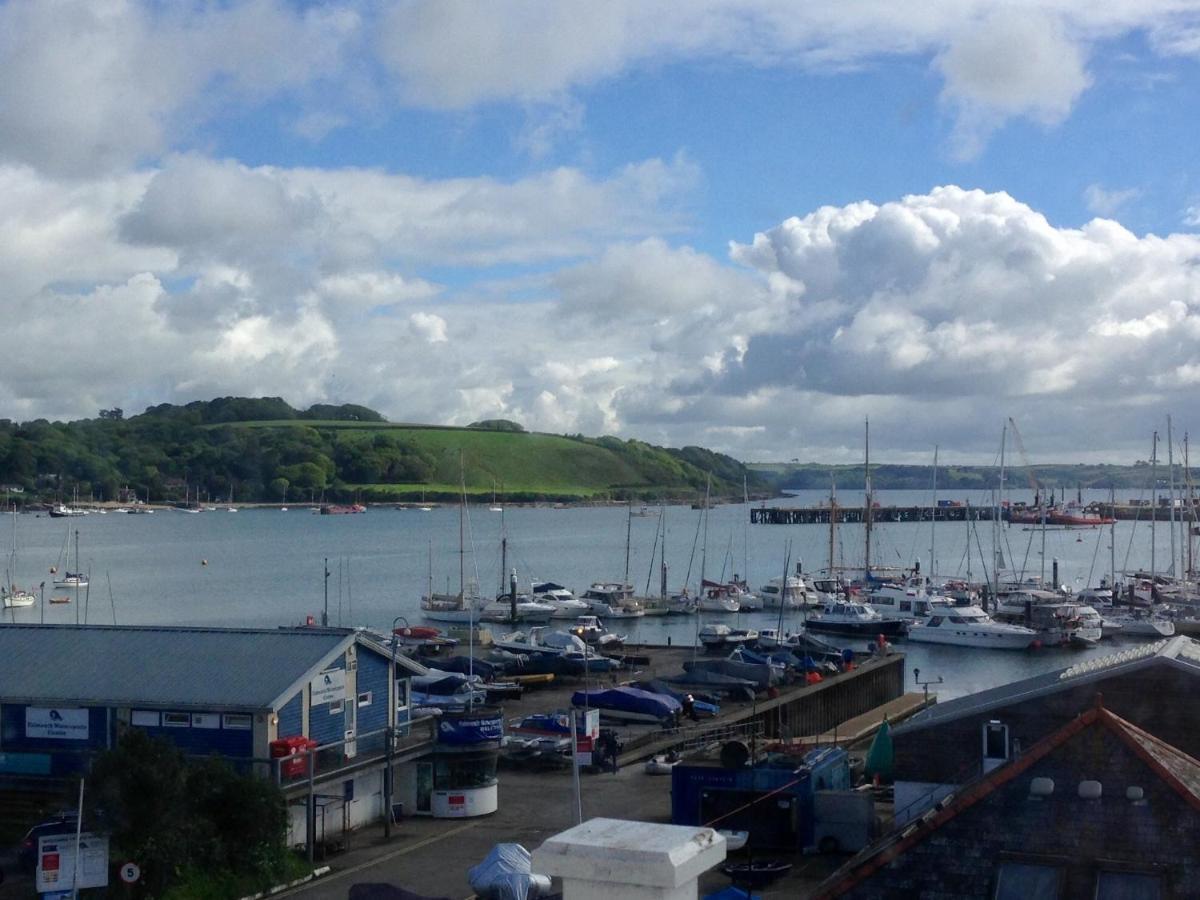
(130, 872)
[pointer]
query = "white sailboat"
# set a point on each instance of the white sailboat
(12, 596)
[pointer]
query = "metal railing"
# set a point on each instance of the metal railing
(326, 760)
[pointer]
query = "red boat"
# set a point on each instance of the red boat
(1063, 518)
(343, 510)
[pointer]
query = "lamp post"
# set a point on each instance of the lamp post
(391, 732)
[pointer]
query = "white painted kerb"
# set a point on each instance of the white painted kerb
(611, 859)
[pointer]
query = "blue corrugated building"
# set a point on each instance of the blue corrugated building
(67, 692)
(774, 800)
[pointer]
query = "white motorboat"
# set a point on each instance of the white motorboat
(1058, 620)
(528, 611)
(539, 640)
(717, 636)
(897, 602)
(970, 626)
(566, 604)
(454, 609)
(790, 593)
(591, 630)
(611, 600)
(1139, 624)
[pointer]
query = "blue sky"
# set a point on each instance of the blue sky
(745, 224)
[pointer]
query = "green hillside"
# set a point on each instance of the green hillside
(262, 450)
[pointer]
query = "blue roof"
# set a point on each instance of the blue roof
(109, 665)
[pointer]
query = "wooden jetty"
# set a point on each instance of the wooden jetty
(819, 515)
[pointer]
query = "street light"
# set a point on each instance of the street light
(391, 731)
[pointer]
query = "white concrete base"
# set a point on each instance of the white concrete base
(611, 859)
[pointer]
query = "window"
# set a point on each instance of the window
(364, 699)
(1025, 881)
(144, 718)
(336, 709)
(206, 720)
(236, 721)
(1128, 886)
(176, 720)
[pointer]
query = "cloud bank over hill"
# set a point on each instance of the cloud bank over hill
(142, 264)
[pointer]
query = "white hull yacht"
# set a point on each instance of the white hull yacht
(970, 626)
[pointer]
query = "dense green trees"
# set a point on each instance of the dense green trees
(261, 449)
(187, 824)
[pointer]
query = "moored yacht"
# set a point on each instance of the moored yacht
(566, 604)
(853, 619)
(970, 626)
(612, 600)
(790, 593)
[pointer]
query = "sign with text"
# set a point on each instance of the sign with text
(328, 687)
(56, 723)
(57, 869)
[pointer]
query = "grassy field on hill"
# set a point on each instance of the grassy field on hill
(263, 450)
(516, 465)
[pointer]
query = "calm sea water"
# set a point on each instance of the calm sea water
(263, 567)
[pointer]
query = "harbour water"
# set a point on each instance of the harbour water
(263, 567)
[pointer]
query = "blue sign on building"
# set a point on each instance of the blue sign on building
(478, 729)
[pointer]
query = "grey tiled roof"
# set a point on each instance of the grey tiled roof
(159, 666)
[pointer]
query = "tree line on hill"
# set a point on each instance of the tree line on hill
(214, 451)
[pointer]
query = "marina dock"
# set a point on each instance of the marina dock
(952, 512)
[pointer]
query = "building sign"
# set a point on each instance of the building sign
(328, 687)
(56, 723)
(470, 730)
(56, 865)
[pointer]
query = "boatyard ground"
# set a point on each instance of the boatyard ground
(431, 857)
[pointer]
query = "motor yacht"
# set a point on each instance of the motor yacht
(612, 600)
(853, 619)
(970, 626)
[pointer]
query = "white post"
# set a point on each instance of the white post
(612, 859)
(78, 836)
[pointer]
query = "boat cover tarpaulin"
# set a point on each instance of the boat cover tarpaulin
(627, 699)
(506, 874)
(764, 676)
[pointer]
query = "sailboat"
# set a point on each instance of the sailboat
(12, 596)
(75, 579)
(457, 608)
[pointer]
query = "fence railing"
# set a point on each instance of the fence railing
(336, 756)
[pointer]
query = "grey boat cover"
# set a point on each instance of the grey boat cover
(763, 676)
(506, 874)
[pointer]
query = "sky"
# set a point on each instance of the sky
(748, 225)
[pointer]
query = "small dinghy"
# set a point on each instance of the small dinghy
(734, 840)
(661, 764)
(757, 873)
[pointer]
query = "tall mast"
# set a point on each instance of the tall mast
(998, 522)
(628, 532)
(1112, 543)
(462, 512)
(933, 521)
(1191, 504)
(868, 511)
(746, 534)
(832, 521)
(1171, 482)
(704, 544)
(1153, 501)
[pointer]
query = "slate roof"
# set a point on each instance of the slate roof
(1182, 652)
(1177, 769)
(109, 665)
